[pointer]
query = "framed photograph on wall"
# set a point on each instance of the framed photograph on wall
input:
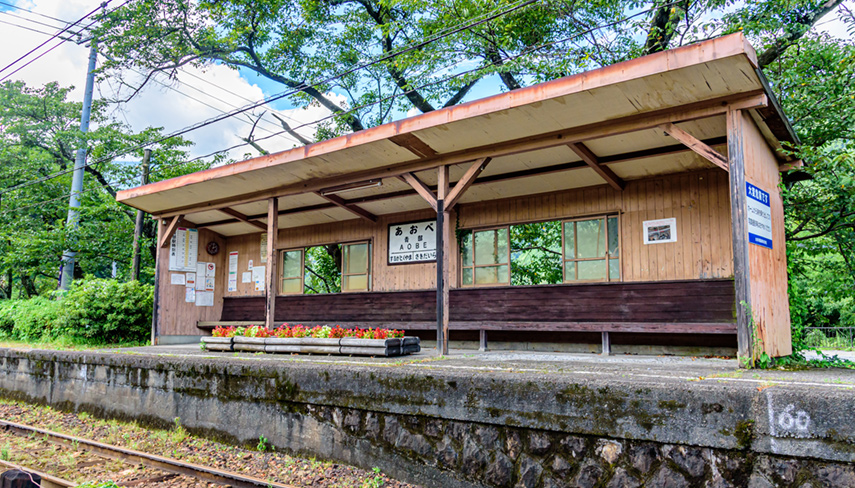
(660, 231)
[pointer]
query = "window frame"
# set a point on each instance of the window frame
(474, 266)
(368, 271)
(589, 216)
(302, 276)
(608, 255)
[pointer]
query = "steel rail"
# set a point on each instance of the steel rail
(169, 465)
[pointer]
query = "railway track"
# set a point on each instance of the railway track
(168, 465)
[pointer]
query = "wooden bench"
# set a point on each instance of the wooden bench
(670, 307)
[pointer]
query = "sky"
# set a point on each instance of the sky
(196, 95)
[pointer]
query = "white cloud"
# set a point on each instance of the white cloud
(219, 90)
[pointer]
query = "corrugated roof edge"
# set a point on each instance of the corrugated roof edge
(684, 56)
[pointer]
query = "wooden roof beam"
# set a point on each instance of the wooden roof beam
(170, 231)
(412, 143)
(696, 145)
(243, 218)
(341, 202)
(465, 182)
(594, 163)
(544, 170)
(631, 123)
(420, 188)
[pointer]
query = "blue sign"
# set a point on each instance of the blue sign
(759, 216)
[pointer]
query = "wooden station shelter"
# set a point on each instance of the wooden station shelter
(663, 173)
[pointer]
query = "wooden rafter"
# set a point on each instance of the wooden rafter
(693, 111)
(696, 145)
(341, 202)
(465, 182)
(170, 231)
(420, 188)
(413, 144)
(243, 218)
(525, 173)
(594, 163)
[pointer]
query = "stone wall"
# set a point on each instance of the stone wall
(450, 429)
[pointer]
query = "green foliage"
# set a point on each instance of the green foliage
(263, 444)
(323, 269)
(99, 484)
(39, 138)
(36, 319)
(106, 311)
(95, 311)
(536, 253)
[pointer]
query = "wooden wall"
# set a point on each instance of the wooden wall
(768, 267)
(385, 278)
(698, 200)
(175, 316)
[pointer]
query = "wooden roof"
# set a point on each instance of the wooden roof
(617, 111)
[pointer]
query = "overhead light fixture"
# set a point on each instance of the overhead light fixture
(360, 185)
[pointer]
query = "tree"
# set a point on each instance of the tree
(39, 140)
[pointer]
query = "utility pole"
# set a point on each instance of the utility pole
(135, 269)
(79, 167)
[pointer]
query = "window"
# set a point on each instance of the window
(485, 257)
(579, 250)
(330, 268)
(292, 272)
(591, 250)
(356, 266)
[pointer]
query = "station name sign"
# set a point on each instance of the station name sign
(759, 216)
(412, 242)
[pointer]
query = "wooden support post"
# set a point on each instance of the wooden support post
(443, 236)
(271, 275)
(155, 304)
(741, 271)
(607, 344)
(483, 341)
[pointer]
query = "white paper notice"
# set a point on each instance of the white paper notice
(258, 277)
(189, 295)
(210, 269)
(191, 280)
(250, 265)
(263, 248)
(205, 299)
(200, 276)
(233, 265)
(183, 249)
(246, 277)
(176, 278)
(209, 283)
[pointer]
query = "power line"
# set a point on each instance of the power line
(34, 12)
(448, 78)
(279, 96)
(55, 36)
(435, 82)
(31, 20)
(24, 27)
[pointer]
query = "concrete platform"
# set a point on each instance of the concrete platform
(478, 419)
(658, 369)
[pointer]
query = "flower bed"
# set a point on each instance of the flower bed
(314, 340)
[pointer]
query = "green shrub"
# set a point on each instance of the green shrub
(106, 311)
(32, 320)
